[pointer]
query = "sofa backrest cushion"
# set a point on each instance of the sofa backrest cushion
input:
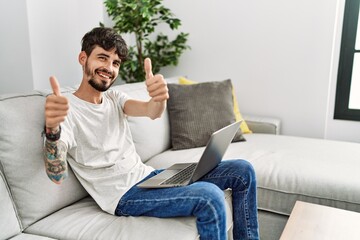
(151, 137)
(21, 156)
(9, 224)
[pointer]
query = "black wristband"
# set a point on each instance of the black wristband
(51, 136)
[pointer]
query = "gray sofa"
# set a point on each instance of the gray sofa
(288, 169)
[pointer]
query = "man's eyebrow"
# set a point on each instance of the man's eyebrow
(103, 55)
(108, 56)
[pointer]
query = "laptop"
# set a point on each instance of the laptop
(182, 174)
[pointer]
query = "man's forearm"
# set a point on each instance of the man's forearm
(151, 109)
(55, 160)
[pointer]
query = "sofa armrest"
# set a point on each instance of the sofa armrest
(259, 124)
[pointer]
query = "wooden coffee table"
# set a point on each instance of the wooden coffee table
(311, 221)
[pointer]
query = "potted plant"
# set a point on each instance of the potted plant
(140, 18)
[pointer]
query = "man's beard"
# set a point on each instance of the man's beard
(99, 86)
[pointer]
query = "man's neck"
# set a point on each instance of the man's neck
(88, 94)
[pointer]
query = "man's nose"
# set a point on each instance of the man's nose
(109, 66)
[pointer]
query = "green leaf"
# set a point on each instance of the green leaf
(141, 18)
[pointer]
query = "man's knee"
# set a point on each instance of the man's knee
(211, 194)
(243, 171)
(250, 169)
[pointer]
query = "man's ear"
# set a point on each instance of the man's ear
(82, 58)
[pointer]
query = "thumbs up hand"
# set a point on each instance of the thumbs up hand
(56, 106)
(156, 85)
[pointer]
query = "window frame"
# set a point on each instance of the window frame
(347, 53)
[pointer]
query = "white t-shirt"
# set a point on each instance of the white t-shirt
(101, 151)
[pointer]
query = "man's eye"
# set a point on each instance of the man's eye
(117, 64)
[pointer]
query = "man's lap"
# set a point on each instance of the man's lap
(160, 199)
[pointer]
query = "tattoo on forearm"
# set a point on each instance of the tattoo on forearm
(55, 160)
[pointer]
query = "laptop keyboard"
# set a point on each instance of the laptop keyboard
(181, 176)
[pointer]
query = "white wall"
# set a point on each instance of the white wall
(56, 28)
(42, 38)
(281, 55)
(15, 57)
(278, 53)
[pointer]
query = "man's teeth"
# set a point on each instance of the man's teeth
(102, 75)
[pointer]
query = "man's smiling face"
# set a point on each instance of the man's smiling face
(102, 68)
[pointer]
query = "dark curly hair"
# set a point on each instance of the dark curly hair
(106, 38)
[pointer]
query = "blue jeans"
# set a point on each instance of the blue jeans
(203, 199)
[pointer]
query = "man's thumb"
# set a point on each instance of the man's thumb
(55, 86)
(148, 68)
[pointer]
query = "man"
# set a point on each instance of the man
(88, 129)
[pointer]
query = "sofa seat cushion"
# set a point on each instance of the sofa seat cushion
(312, 170)
(85, 220)
(292, 168)
(9, 224)
(25, 236)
